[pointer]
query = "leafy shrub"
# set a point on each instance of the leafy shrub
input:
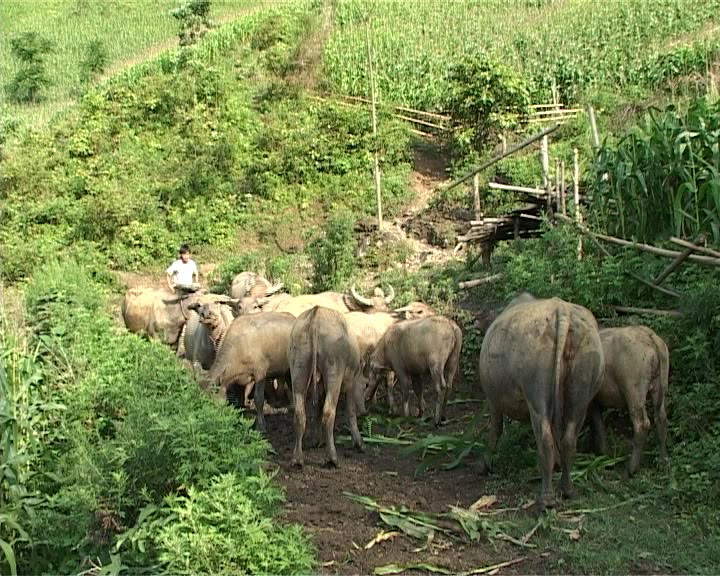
(194, 19)
(94, 60)
(30, 48)
(332, 253)
(484, 97)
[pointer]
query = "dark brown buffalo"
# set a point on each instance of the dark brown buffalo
(322, 346)
(542, 360)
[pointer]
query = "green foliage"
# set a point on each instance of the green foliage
(193, 19)
(484, 98)
(332, 253)
(663, 177)
(204, 527)
(136, 430)
(30, 49)
(94, 61)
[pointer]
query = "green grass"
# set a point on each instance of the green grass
(575, 45)
(129, 30)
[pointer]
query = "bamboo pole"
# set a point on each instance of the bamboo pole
(563, 205)
(476, 197)
(503, 141)
(672, 266)
(499, 157)
(703, 249)
(576, 198)
(376, 162)
(595, 138)
(556, 191)
(511, 188)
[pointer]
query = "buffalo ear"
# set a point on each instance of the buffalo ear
(194, 306)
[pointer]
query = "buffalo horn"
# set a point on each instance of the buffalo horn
(391, 294)
(360, 299)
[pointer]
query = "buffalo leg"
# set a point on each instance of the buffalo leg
(404, 382)
(352, 410)
(417, 384)
(332, 394)
(597, 426)
(568, 445)
(661, 425)
(260, 404)
(438, 379)
(297, 459)
(546, 452)
(390, 380)
(641, 426)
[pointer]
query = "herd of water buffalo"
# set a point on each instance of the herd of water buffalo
(542, 360)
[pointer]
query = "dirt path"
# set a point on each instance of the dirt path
(341, 528)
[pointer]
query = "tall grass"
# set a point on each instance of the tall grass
(663, 177)
(128, 29)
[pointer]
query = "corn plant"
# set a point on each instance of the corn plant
(663, 177)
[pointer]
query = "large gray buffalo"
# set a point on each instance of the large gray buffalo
(637, 364)
(254, 350)
(418, 351)
(159, 313)
(542, 360)
(253, 292)
(204, 331)
(321, 345)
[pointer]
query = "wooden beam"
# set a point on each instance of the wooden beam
(647, 311)
(695, 247)
(477, 282)
(511, 188)
(502, 155)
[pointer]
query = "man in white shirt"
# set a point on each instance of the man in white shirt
(183, 271)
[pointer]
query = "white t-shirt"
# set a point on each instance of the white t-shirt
(182, 272)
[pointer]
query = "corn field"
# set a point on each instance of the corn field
(568, 46)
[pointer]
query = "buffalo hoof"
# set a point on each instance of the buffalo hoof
(333, 464)
(360, 447)
(543, 503)
(297, 463)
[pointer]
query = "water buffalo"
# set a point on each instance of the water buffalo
(542, 360)
(321, 345)
(159, 313)
(426, 349)
(637, 364)
(415, 310)
(204, 330)
(339, 301)
(253, 292)
(254, 349)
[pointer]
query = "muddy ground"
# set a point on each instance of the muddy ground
(341, 528)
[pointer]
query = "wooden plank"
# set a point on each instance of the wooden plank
(647, 311)
(512, 188)
(479, 281)
(574, 111)
(476, 196)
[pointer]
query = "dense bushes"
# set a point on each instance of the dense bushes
(134, 453)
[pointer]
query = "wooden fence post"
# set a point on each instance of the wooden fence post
(576, 194)
(595, 138)
(476, 197)
(546, 171)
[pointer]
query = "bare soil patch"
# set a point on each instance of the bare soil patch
(340, 528)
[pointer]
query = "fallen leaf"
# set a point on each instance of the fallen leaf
(328, 564)
(574, 534)
(483, 502)
(401, 568)
(355, 545)
(381, 537)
